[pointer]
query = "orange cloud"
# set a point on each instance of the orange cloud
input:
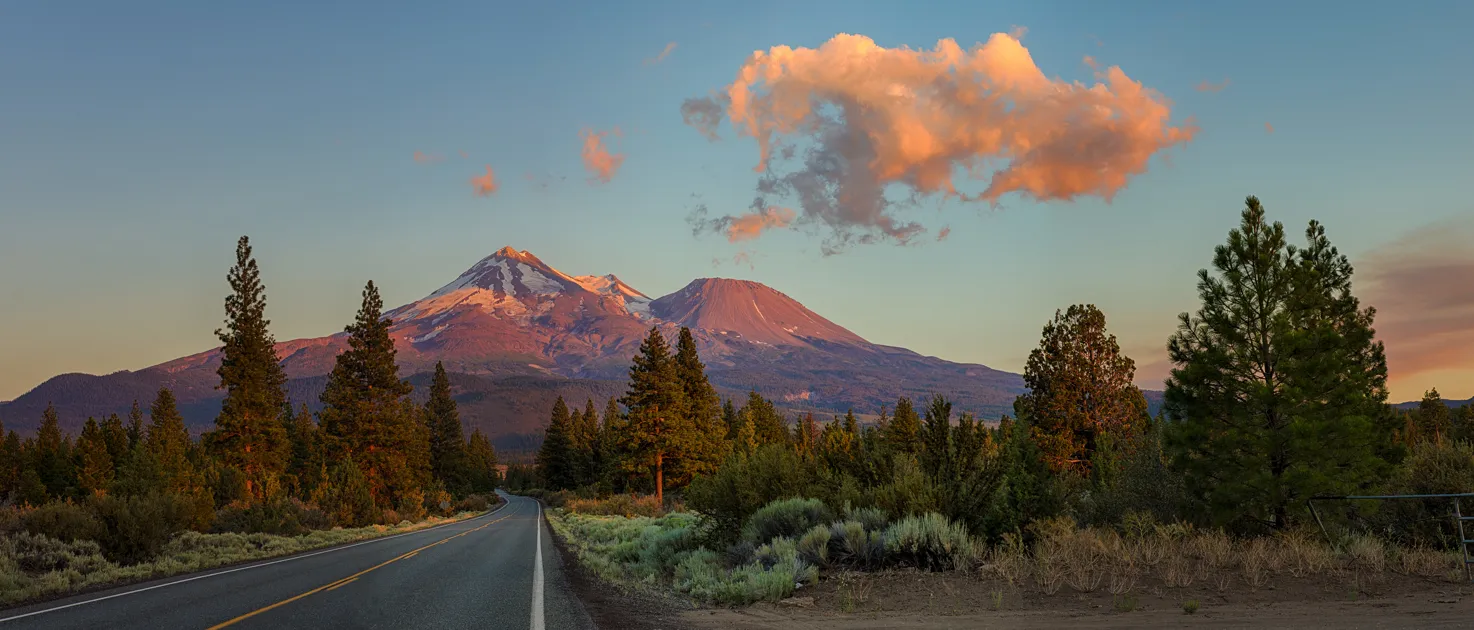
(1268, 128)
(943, 233)
(837, 125)
(663, 54)
(484, 185)
(596, 157)
(743, 227)
(1421, 285)
(1212, 87)
(424, 158)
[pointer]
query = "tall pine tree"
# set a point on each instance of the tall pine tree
(94, 463)
(364, 413)
(248, 432)
(708, 447)
(447, 438)
(659, 431)
(1278, 388)
(167, 441)
(51, 456)
(555, 460)
(904, 430)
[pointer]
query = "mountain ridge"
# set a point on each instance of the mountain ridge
(517, 332)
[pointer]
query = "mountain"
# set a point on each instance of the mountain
(1451, 404)
(516, 333)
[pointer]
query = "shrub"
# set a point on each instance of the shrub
(744, 484)
(1432, 468)
(932, 542)
(786, 518)
(283, 518)
(1190, 606)
(853, 544)
(871, 518)
(617, 505)
(136, 528)
(813, 547)
(64, 521)
(473, 503)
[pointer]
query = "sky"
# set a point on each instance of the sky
(945, 196)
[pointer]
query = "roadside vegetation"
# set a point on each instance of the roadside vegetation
(1277, 394)
(144, 498)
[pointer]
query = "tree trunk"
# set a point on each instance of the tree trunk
(660, 479)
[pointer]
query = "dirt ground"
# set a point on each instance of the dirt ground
(922, 601)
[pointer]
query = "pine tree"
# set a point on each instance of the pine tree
(936, 454)
(447, 437)
(365, 414)
(51, 456)
(1434, 420)
(659, 427)
(729, 418)
(248, 432)
(1278, 389)
(806, 436)
(94, 465)
(589, 448)
(1464, 423)
(611, 455)
(1079, 388)
(135, 425)
(115, 437)
(555, 460)
(483, 462)
(167, 442)
(768, 425)
(12, 464)
(746, 440)
(306, 464)
(709, 447)
(904, 430)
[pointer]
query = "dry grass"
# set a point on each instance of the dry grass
(35, 566)
(1177, 557)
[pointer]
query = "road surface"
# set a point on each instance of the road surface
(498, 570)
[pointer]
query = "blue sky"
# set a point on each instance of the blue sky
(137, 143)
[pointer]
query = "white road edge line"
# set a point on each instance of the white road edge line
(537, 574)
(244, 568)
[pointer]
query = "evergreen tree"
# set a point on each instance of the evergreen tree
(767, 424)
(115, 437)
(306, 464)
(807, 436)
(135, 425)
(248, 432)
(483, 464)
(936, 454)
(1434, 420)
(729, 418)
(12, 464)
(1079, 388)
(660, 432)
(708, 447)
(904, 430)
(612, 470)
(51, 456)
(555, 460)
(94, 464)
(1278, 389)
(1464, 423)
(746, 440)
(366, 413)
(167, 443)
(447, 437)
(837, 444)
(589, 449)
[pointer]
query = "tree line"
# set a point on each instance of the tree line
(370, 455)
(1278, 392)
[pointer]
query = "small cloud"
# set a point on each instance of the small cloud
(1268, 128)
(427, 158)
(943, 233)
(743, 227)
(1098, 43)
(484, 185)
(663, 54)
(596, 156)
(1206, 86)
(463, 155)
(1090, 61)
(705, 114)
(743, 258)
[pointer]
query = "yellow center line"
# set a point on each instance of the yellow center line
(337, 583)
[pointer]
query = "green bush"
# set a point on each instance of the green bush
(789, 518)
(871, 518)
(744, 484)
(283, 518)
(36, 553)
(136, 528)
(931, 542)
(853, 544)
(64, 521)
(813, 547)
(473, 503)
(1431, 468)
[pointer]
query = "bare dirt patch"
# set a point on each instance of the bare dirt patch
(915, 600)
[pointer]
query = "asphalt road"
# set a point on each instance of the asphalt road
(498, 570)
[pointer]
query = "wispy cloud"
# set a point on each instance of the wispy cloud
(1268, 128)
(596, 156)
(1206, 86)
(839, 125)
(1423, 287)
(943, 233)
(663, 54)
(428, 158)
(484, 185)
(464, 155)
(741, 227)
